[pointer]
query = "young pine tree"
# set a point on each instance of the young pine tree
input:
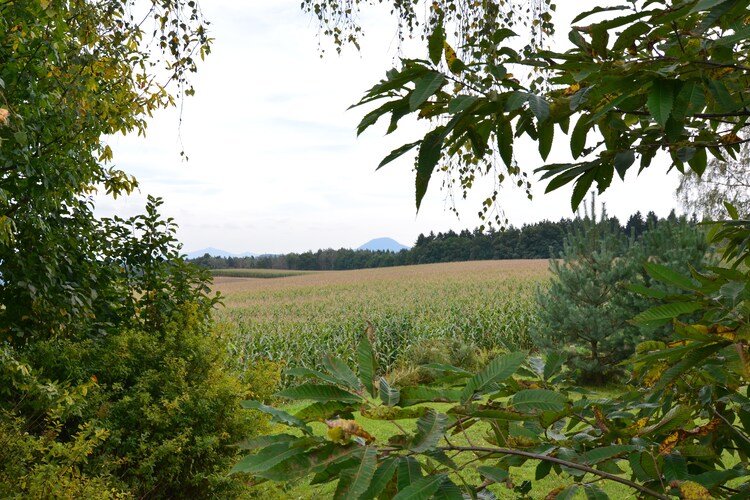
(583, 311)
(588, 307)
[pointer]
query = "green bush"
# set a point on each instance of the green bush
(155, 413)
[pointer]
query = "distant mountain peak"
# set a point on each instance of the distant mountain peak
(383, 244)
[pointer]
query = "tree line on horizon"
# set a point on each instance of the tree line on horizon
(539, 240)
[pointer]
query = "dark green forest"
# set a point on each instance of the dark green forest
(540, 240)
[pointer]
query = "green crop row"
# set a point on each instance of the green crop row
(256, 273)
(301, 322)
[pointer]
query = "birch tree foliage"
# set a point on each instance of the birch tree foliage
(722, 182)
(642, 77)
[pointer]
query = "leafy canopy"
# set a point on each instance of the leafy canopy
(642, 77)
(73, 73)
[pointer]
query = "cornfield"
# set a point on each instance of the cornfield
(299, 319)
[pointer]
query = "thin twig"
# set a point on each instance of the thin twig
(555, 460)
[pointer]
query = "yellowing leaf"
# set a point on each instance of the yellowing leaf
(451, 59)
(572, 89)
(705, 430)
(347, 428)
(639, 424)
(690, 490)
(553, 494)
(672, 440)
(729, 138)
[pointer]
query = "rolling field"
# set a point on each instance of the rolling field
(298, 319)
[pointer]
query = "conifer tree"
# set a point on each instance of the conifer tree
(588, 308)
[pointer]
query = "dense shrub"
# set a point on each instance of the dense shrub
(153, 414)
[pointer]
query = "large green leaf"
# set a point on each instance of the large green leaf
(546, 136)
(430, 428)
(596, 10)
(578, 137)
(266, 458)
(690, 99)
(505, 140)
(532, 400)
(674, 418)
(396, 153)
(367, 364)
(447, 368)
(373, 116)
(493, 473)
(341, 372)
(425, 88)
(389, 395)
(395, 79)
(441, 457)
(630, 34)
(669, 276)
(675, 468)
(646, 291)
(409, 471)
(429, 155)
(597, 455)
(593, 492)
(497, 370)
(553, 364)
(435, 43)
(448, 491)
(326, 458)
(461, 103)
(381, 478)
(661, 100)
(542, 470)
(539, 106)
(515, 100)
(319, 392)
(323, 410)
(353, 483)
(302, 372)
(331, 471)
(414, 395)
(581, 188)
(623, 161)
(694, 357)
(665, 313)
(278, 416)
(699, 161)
(263, 441)
(421, 489)
(706, 5)
(568, 493)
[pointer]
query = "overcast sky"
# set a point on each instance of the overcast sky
(274, 162)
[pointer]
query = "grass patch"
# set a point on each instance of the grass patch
(256, 273)
(474, 435)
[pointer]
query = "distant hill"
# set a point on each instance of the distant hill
(217, 252)
(387, 244)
